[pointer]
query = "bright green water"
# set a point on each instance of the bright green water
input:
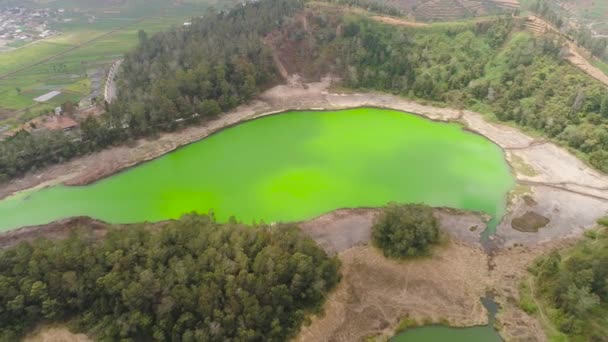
(291, 167)
(438, 333)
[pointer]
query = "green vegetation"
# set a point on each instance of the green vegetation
(572, 288)
(526, 300)
(192, 280)
(403, 231)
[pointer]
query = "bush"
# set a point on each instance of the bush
(403, 231)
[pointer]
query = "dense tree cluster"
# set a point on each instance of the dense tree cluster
(402, 231)
(574, 283)
(193, 280)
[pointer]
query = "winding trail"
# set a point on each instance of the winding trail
(534, 143)
(562, 188)
(542, 315)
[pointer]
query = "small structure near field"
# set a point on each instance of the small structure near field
(47, 96)
(55, 122)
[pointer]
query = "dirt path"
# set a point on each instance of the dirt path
(55, 334)
(398, 21)
(575, 57)
(541, 312)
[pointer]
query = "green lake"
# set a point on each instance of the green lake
(439, 333)
(291, 167)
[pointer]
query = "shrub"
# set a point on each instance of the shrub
(403, 231)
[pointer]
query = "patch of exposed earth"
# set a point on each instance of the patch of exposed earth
(55, 334)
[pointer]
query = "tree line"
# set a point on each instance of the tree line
(192, 280)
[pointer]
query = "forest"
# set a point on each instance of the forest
(187, 75)
(573, 287)
(191, 280)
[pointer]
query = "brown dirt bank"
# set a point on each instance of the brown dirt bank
(561, 181)
(375, 293)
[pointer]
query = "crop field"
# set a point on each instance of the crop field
(75, 62)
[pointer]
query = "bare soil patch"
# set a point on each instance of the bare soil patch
(55, 334)
(509, 270)
(376, 292)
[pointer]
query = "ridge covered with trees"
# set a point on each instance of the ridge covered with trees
(188, 74)
(192, 280)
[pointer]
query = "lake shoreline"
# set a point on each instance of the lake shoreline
(557, 174)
